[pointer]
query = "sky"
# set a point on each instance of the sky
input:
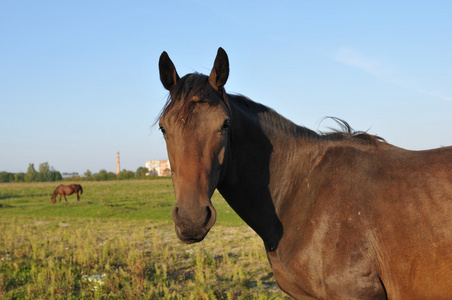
(79, 80)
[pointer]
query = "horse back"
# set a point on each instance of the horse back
(378, 217)
(412, 222)
(59, 188)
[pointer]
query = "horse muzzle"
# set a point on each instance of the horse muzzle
(193, 223)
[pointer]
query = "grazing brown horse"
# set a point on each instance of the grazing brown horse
(64, 190)
(343, 215)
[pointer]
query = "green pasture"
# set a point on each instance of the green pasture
(118, 242)
(149, 200)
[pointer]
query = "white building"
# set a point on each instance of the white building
(161, 167)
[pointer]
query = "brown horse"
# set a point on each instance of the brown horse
(343, 215)
(64, 190)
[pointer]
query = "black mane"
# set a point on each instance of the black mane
(195, 87)
(270, 116)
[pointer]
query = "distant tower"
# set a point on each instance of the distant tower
(117, 163)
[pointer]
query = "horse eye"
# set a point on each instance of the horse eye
(162, 130)
(225, 126)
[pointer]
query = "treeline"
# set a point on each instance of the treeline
(103, 175)
(46, 173)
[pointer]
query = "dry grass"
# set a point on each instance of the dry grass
(47, 257)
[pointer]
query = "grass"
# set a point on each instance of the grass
(135, 200)
(118, 242)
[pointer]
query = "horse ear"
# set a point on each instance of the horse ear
(220, 71)
(168, 74)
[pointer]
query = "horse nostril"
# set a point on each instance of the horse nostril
(175, 213)
(209, 215)
(194, 218)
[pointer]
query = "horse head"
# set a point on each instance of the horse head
(195, 123)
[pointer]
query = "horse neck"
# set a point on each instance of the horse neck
(263, 156)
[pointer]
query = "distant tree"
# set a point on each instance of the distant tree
(39, 177)
(111, 176)
(141, 172)
(31, 175)
(101, 176)
(57, 176)
(88, 175)
(45, 173)
(124, 174)
(6, 177)
(19, 177)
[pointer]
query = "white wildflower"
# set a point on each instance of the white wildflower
(96, 280)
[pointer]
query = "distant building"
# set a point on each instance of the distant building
(67, 175)
(161, 167)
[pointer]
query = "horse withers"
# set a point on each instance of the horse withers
(343, 215)
(63, 190)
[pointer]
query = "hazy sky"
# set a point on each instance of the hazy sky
(79, 79)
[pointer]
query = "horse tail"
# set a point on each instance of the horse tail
(81, 189)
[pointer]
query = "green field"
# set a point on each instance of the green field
(118, 242)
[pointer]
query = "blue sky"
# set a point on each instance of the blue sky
(79, 79)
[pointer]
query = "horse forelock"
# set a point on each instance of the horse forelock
(190, 90)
